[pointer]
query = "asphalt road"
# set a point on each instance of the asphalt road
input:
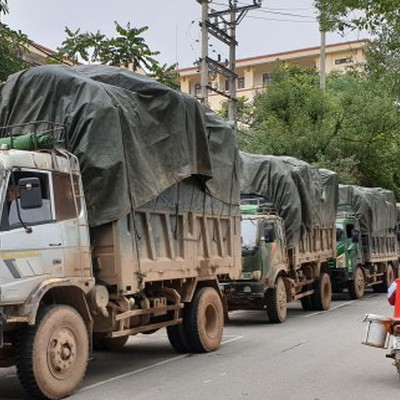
(312, 356)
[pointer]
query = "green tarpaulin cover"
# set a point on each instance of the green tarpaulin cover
(302, 195)
(375, 208)
(134, 138)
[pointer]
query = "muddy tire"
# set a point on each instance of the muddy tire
(357, 285)
(388, 278)
(277, 302)
(204, 321)
(52, 356)
(178, 339)
(322, 297)
(306, 302)
(109, 344)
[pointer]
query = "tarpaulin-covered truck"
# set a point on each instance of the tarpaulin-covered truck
(288, 236)
(366, 239)
(119, 217)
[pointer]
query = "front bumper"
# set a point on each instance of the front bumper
(244, 294)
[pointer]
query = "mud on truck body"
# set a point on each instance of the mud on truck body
(124, 228)
(288, 236)
(367, 240)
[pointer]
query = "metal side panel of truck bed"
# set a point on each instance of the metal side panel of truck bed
(158, 245)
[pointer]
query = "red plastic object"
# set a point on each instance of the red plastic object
(397, 303)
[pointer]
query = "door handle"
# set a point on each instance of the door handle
(55, 244)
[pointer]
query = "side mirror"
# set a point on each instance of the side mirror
(355, 235)
(30, 193)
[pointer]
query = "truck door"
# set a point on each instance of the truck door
(30, 239)
(269, 245)
(353, 247)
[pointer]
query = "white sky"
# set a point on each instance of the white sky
(173, 25)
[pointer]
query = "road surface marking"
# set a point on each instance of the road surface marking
(295, 346)
(233, 339)
(157, 364)
(331, 309)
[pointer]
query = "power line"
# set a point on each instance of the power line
(285, 14)
(283, 20)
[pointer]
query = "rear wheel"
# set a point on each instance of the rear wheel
(389, 277)
(277, 302)
(204, 321)
(306, 302)
(178, 334)
(357, 285)
(52, 356)
(322, 297)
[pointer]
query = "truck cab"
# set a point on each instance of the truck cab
(43, 231)
(348, 247)
(263, 256)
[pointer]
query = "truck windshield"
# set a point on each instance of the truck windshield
(340, 232)
(249, 232)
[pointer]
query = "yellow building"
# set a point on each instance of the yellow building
(254, 72)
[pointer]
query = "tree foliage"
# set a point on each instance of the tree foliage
(128, 49)
(353, 127)
(244, 110)
(12, 44)
(374, 13)
(4, 7)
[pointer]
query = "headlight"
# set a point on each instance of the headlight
(257, 275)
(341, 261)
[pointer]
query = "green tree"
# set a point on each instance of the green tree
(374, 13)
(244, 110)
(4, 7)
(353, 127)
(128, 49)
(383, 59)
(12, 45)
(165, 74)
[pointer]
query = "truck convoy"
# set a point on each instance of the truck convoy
(288, 236)
(366, 239)
(119, 217)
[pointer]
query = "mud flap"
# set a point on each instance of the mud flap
(226, 309)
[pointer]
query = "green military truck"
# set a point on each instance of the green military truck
(367, 247)
(119, 217)
(288, 236)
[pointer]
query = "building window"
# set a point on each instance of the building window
(266, 78)
(226, 85)
(240, 82)
(346, 60)
(197, 89)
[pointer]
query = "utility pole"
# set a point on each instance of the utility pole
(232, 64)
(228, 20)
(322, 56)
(322, 66)
(204, 52)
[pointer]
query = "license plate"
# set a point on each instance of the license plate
(396, 343)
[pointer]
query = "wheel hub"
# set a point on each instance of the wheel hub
(61, 352)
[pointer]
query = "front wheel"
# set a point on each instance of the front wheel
(277, 302)
(357, 285)
(52, 356)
